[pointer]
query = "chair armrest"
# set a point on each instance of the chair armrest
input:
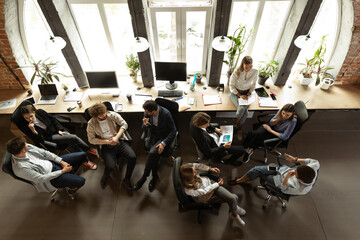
(272, 142)
(214, 125)
(174, 142)
(264, 118)
(127, 134)
(63, 118)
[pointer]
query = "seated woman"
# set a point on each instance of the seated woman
(207, 140)
(202, 189)
(242, 84)
(43, 126)
(281, 126)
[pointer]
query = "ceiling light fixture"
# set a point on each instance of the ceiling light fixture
(140, 44)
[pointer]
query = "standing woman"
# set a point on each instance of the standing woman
(281, 126)
(202, 189)
(43, 126)
(242, 84)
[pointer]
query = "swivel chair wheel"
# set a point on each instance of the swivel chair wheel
(52, 200)
(264, 206)
(283, 206)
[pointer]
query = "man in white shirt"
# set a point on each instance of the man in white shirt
(45, 170)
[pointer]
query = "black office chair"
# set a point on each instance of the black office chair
(7, 168)
(271, 144)
(173, 108)
(272, 190)
(18, 119)
(186, 202)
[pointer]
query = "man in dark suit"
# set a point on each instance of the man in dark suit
(207, 137)
(162, 133)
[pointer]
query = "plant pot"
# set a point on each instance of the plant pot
(326, 83)
(262, 80)
(306, 81)
(198, 78)
(133, 75)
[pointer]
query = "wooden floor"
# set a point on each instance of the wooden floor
(329, 211)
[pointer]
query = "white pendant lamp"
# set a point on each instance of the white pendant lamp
(55, 43)
(221, 43)
(303, 41)
(141, 44)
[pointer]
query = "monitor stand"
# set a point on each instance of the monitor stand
(171, 85)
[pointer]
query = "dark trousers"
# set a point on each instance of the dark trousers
(152, 162)
(72, 140)
(236, 152)
(111, 154)
(69, 179)
(255, 139)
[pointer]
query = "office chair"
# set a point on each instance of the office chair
(173, 108)
(186, 202)
(274, 143)
(272, 190)
(7, 168)
(18, 119)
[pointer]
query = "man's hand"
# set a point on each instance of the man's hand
(113, 141)
(63, 133)
(245, 97)
(218, 131)
(216, 170)
(160, 148)
(66, 169)
(64, 164)
(287, 176)
(221, 181)
(227, 145)
(146, 121)
(290, 173)
(290, 158)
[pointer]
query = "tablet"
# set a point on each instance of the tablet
(261, 92)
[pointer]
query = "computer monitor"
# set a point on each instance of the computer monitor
(170, 71)
(104, 80)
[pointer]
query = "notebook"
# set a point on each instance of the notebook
(49, 94)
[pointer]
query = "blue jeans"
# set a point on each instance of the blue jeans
(262, 172)
(70, 179)
(242, 111)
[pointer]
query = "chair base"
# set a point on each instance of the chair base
(71, 195)
(268, 198)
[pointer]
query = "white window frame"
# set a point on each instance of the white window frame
(181, 31)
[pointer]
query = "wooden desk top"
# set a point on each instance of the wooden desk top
(337, 97)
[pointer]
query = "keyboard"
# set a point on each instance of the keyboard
(170, 93)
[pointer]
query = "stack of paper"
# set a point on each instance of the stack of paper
(248, 101)
(73, 96)
(183, 104)
(211, 99)
(227, 133)
(267, 102)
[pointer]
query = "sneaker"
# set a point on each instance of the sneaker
(127, 184)
(91, 165)
(247, 156)
(152, 184)
(104, 180)
(240, 211)
(139, 184)
(237, 219)
(93, 151)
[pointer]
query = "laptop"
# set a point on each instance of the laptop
(49, 94)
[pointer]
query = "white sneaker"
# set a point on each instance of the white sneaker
(237, 219)
(240, 211)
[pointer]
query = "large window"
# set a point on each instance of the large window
(35, 32)
(106, 31)
(267, 18)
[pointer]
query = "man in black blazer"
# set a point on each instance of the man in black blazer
(162, 134)
(206, 137)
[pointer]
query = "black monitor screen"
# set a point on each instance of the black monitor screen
(106, 79)
(170, 71)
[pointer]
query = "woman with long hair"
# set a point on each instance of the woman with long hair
(202, 189)
(281, 126)
(43, 126)
(242, 84)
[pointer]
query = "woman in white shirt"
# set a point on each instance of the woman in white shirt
(242, 84)
(202, 189)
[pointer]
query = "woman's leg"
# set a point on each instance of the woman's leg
(256, 172)
(222, 195)
(235, 99)
(71, 139)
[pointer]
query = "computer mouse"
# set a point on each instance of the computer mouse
(267, 87)
(138, 88)
(204, 88)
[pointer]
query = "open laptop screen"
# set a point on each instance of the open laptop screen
(48, 89)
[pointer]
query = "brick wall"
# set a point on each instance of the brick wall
(7, 60)
(350, 71)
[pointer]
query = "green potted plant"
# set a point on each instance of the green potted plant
(133, 64)
(65, 87)
(239, 41)
(315, 65)
(267, 69)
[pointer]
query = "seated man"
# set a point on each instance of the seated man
(207, 139)
(45, 170)
(295, 181)
(106, 128)
(162, 133)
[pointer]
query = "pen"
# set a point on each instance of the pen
(273, 93)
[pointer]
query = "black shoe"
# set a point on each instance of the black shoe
(247, 156)
(104, 180)
(139, 184)
(127, 184)
(236, 163)
(152, 184)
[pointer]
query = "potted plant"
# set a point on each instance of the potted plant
(266, 70)
(133, 64)
(315, 65)
(198, 77)
(239, 41)
(65, 88)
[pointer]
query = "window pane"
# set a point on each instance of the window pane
(93, 36)
(242, 13)
(36, 34)
(195, 31)
(272, 21)
(119, 21)
(166, 33)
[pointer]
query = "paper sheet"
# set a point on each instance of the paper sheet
(267, 102)
(211, 99)
(8, 104)
(248, 101)
(227, 133)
